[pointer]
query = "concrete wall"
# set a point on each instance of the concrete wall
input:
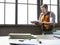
(34, 29)
(5, 30)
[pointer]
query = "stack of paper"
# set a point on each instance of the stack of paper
(21, 36)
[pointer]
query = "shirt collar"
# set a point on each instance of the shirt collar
(45, 13)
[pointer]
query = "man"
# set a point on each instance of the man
(46, 18)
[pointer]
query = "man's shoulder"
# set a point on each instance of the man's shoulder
(52, 14)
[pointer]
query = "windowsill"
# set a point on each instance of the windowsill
(56, 25)
(19, 25)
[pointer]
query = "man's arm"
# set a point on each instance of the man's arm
(52, 17)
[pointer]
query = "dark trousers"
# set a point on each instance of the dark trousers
(47, 31)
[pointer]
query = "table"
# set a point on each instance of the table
(41, 40)
(23, 42)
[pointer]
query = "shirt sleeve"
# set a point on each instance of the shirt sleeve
(52, 18)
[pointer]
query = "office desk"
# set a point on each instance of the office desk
(41, 40)
(23, 42)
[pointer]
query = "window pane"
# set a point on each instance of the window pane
(46, 1)
(22, 1)
(32, 13)
(54, 2)
(10, 14)
(54, 9)
(49, 8)
(22, 14)
(1, 13)
(32, 1)
(10, 1)
(1, 0)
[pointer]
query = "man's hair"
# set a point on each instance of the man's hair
(44, 5)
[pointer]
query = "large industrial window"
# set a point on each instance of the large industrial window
(52, 6)
(26, 11)
(7, 11)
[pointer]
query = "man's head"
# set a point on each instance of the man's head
(44, 8)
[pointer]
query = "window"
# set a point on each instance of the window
(1, 13)
(22, 14)
(54, 2)
(10, 14)
(32, 13)
(27, 11)
(52, 6)
(22, 1)
(32, 1)
(1, 0)
(13, 1)
(46, 1)
(7, 12)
